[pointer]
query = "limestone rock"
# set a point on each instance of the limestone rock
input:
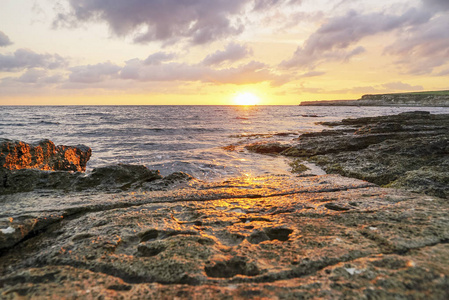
(323, 237)
(44, 155)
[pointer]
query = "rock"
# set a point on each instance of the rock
(128, 233)
(109, 178)
(26, 180)
(325, 237)
(119, 176)
(267, 148)
(44, 155)
(409, 150)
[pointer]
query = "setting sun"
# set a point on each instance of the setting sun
(246, 99)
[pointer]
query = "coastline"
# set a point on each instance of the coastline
(322, 236)
(416, 99)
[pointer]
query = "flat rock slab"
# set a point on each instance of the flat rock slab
(277, 237)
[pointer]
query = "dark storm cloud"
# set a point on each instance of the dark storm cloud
(94, 73)
(4, 40)
(25, 58)
(333, 40)
(200, 21)
(233, 52)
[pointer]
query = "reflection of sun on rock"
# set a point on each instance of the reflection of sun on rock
(131, 233)
(192, 240)
(44, 155)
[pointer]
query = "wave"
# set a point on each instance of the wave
(48, 123)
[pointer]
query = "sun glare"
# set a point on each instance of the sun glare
(246, 99)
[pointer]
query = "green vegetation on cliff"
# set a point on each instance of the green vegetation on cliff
(425, 98)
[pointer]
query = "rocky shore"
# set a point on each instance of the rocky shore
(130, 233)
(43, 155)
(409, 150)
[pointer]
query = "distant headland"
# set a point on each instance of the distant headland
(428, 98)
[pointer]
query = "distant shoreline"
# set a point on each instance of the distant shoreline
(418, 99)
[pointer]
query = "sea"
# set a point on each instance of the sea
(206, 142)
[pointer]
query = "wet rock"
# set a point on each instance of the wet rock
(267, 148)
(109, 178)
(121, 176)
(409, 150)
(44, 155)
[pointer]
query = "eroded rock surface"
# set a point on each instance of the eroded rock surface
(113, 178)
(277, 237)
(409, 150)
(44, 155)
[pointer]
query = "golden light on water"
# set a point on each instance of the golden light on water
(246, 99)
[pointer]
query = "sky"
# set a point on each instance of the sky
(210, 52)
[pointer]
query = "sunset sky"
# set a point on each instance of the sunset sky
(64, 52)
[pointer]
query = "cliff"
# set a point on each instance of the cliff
(429, 99)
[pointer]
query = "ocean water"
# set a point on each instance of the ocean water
(191, 139)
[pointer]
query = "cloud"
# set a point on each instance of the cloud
(4, 40)
(436, 4)
(253, 72)
(443, 73)
(232, 53)
(267, 4)
(334, 39)
(94, 73)
(389, 87)
(24, 58)
(32, 76)
(250, 73)
(159, 57)
(39, 76)
(31, 81)
(311, 74)
(199, 21)
(422, 50)
(400, 86)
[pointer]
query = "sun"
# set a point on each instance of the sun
(246, 99)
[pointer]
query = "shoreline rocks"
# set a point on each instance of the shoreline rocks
(279, 237)
(130, 234)
(113, 178)
(409, 150)
(43, 155)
